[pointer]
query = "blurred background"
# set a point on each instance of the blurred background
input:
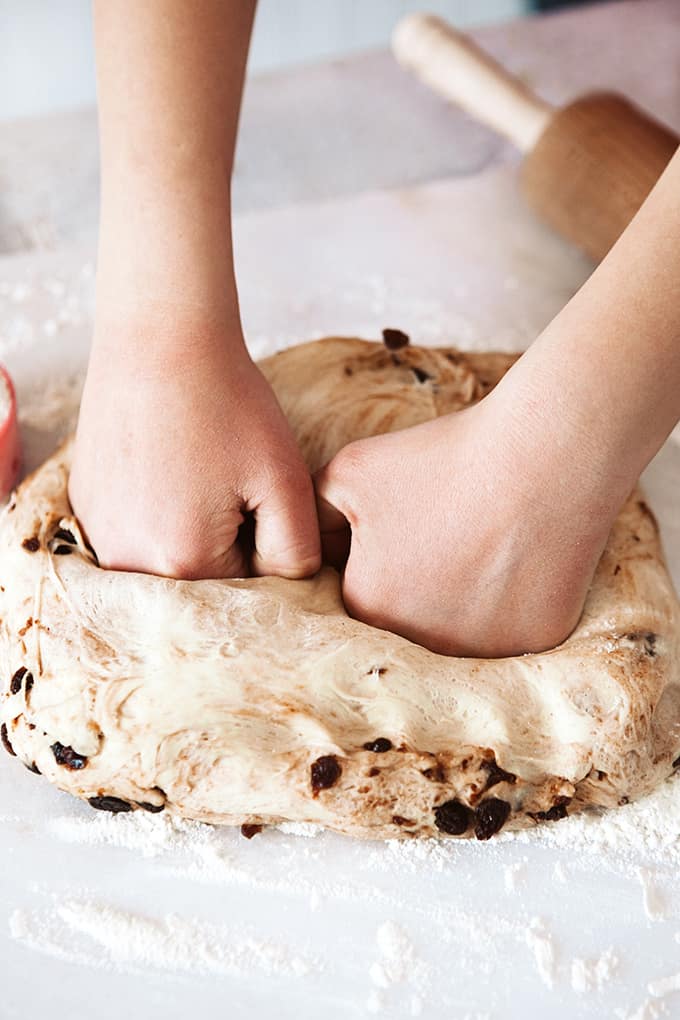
(47, 64)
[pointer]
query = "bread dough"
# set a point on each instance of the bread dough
(256, 701)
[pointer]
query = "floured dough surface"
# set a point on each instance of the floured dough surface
(256, 701)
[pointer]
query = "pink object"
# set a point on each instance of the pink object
(10, 444)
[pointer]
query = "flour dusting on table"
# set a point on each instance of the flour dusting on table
(98, 934)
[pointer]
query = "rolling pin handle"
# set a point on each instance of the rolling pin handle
(453, 66)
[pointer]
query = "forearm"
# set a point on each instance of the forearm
(170, 75)
(605, 374)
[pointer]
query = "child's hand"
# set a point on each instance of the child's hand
(170, 455)
(469, 535)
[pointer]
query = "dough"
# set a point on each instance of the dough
(256, 701)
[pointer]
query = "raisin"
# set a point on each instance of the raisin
(92, 553)
(648, 639)
(378, 746)
(153, 808)
(394, 339)
(490, 817)
(676, 763)
(452, 817)
(31, 544)
(65, 755)
(435, 774)
(495, 774)
(17, 680)
(373, 772)
(63, 550)
(4, 736)
(28, 683)
(65, 535)
(32, 767)
(325, 772)
(106, 803)
(554, 813)
(250, 830)
(400, 820)
(420, 375)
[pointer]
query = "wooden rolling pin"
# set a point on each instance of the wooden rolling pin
(587, 168)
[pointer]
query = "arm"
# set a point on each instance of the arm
(608, 367)
(179, 435)
(510, 502)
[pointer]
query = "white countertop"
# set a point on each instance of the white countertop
(346, 126)
(132, 916)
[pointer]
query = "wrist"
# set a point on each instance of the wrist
(166, 256)
(160, 340)
(560, 442)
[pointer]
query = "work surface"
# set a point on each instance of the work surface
(137, 916)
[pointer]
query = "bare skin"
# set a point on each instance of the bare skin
(489, 523)
(179, 435)
(500, 514)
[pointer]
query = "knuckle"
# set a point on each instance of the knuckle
(291, 485)
(352, 459)
(362, 597)
(295, 566)
(296, 556)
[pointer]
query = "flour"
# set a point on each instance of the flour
(541, 944)
(148, 834)
(17, 332)
(652, 900)
(664, 986)
(52, 407)
(20, 292)
(559, 874)
(649, 1010)
(46, 317)
(306, 829)
(96, 933)
(54, 286)
(593, 975)
(415, 1005)
(375, 1003)
(511, 875)
(648, 829)
(398, 960)
(397, 964)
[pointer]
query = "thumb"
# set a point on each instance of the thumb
(336, 534)
(233, 564)
(287, 532)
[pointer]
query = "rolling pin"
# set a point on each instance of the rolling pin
(587, 167)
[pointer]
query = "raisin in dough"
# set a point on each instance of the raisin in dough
(256, 701)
